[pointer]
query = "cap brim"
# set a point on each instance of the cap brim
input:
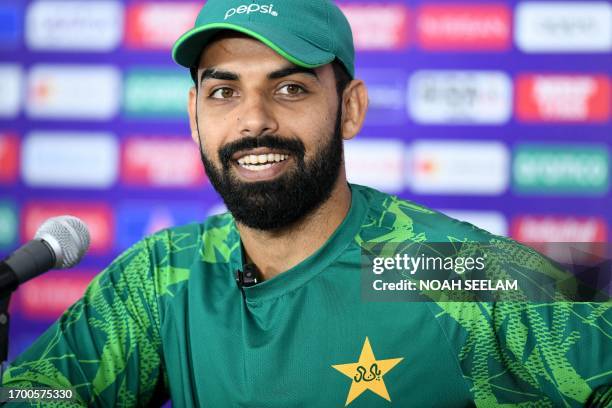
(187, 49)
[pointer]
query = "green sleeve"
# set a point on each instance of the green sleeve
(548, 354)
(527, 353)
(106, 346)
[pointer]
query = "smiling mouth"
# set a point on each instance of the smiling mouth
(260, 162)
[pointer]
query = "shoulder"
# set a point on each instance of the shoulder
(167, 256)
(391, 218)
(394, 220)
(180, 244)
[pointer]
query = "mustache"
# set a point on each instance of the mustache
(293, 146)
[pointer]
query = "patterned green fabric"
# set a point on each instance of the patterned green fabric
(166, 319)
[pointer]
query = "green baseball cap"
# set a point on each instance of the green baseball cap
(308, 33)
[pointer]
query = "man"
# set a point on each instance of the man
(274, 96)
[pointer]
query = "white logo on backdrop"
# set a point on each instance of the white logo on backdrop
(564, 26)
(74, 25)
(376, 162)
(459, 167)
(460, 97)
(73, 92)
(69, 159)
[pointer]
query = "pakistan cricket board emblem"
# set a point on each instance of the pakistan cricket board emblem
(367, 373)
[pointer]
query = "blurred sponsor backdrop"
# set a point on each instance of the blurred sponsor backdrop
(495, 112)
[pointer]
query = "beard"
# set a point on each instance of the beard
(278, 203)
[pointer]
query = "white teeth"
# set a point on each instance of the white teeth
(257, 167)
(261, 161)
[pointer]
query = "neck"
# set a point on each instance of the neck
(274, 252)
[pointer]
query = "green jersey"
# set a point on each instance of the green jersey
(167, 320)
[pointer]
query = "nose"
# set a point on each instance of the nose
(256, 117)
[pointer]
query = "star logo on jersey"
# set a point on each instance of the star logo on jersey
(367, 373)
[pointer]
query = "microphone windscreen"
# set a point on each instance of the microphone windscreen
(67, 236)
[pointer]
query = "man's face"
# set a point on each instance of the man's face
(269, 130)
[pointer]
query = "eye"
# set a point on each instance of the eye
(222, 93)
(291, 89)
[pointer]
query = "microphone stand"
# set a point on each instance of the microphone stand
(4, 333)
(8, 283)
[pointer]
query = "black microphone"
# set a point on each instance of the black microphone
(247, 277)
(60, 242)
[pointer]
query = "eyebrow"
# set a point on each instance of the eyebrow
(293, 69)
(214, 73)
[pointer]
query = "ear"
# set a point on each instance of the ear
(355, 104)
(191, 107)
